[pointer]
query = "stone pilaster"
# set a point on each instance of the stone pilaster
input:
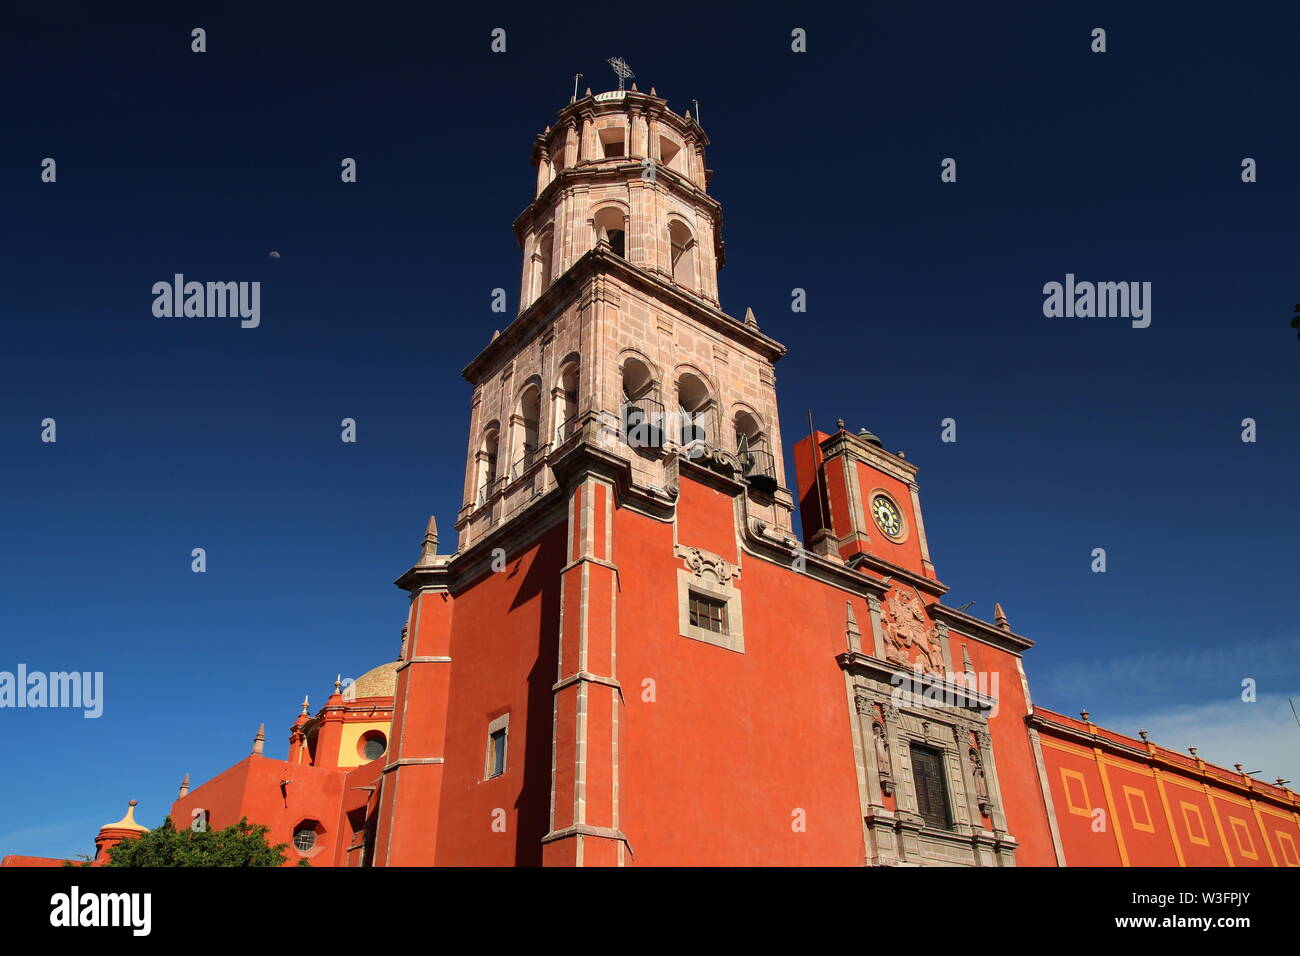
(584, 821)
(414, 772)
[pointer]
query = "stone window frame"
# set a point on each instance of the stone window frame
(501, 724)
(710, 576)
(938, 730)
(951, 758)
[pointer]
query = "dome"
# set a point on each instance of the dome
(379, 682)
(127, 822)
(865, 435)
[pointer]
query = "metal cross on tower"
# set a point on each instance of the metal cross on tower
(621, 68)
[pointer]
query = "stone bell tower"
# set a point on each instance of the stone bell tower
(619, 326)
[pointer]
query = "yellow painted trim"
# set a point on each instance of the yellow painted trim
(1129, 794)
(1280, 814)
(1204, 838)
(1218, 824)
(1110, 807)
(1067, 775)
(1290, 841)
(1169, 815)
(1067, 748)
(1263, 832)
(1239, 829)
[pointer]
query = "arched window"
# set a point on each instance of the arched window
(526, 423)
(693, 405)
(749, 434)
(642, 414)
(612, 225)
(487, 463)
(544, 264)
(566, 401)
(756, 461)
(682, 253)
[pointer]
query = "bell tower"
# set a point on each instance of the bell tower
(619, 334)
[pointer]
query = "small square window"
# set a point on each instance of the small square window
(708, 613)
(708, 601)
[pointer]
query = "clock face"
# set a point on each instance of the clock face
(886, 514)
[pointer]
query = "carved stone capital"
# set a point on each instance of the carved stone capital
(700, 562)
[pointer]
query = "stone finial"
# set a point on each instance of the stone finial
(688, 116)
(653, 91)
(496, 334)
(306, 704)
(902, 454)
(259, 741)
(839, 423)
(1087, 718)
(634, 89)
(1143, 734)
(184, 787)
(430, 547)
(338, 684)
(588, 93)
(1000, 617)
(749, 318)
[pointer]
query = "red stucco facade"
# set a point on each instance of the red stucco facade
(630, 659)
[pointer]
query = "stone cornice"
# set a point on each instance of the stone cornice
(899, 573)
(589, 171)
(574, 283)
(846, 443)
(578, 455)
(981, 630)
(914, 682)
(757, 542)
(632, 101)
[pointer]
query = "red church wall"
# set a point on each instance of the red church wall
(252, 788)
(503, 650)
(754, 737)
(1161, 808)
(1017, 766)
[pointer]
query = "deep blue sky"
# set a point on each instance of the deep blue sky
(925, 302)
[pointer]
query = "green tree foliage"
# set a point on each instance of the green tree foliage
(240, 844)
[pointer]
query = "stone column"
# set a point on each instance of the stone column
(570, 144)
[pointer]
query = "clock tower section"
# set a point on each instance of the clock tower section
(861, 504)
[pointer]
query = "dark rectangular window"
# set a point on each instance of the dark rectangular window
(498, 752)
(931, 787)
(708, 613)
